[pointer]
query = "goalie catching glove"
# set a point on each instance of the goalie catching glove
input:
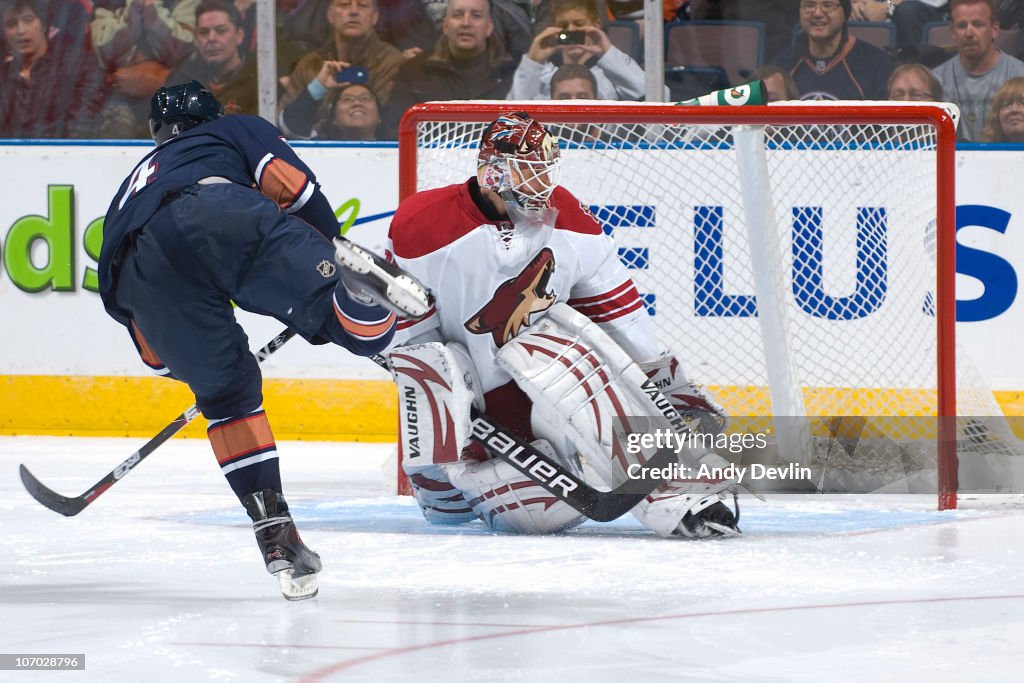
(371, 279)
(696, 407)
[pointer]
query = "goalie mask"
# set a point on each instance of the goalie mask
(177, 108)
(518, 159)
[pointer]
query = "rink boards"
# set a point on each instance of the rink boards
(66, 368)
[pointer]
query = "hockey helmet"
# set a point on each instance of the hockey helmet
(518, 159)
(177, 108)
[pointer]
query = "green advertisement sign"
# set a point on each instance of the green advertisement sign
(53, 235)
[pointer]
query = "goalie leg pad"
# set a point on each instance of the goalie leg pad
(436, 389)
(440, 502)
(571, 369)
(574, 390)
(691, 508)
(509, 501)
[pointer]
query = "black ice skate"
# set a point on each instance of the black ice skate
(284, 553)
(709, 517)
(367, 274)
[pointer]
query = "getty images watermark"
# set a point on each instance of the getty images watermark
(658, 439)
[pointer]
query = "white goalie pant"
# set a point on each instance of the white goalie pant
(437, 387)
(575, 373)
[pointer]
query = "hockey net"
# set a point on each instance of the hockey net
(798, 259)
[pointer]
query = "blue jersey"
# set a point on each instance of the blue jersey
(857, 71)
(244, 149)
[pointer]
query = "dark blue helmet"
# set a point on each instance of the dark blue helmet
(176, 108)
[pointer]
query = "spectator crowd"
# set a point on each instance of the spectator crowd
(348, 69)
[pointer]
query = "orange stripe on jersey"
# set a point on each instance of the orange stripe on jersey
(365, 330)
(236, 438)
(147, 353)
(282, 182)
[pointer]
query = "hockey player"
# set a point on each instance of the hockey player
(223, 210)
(502, 254)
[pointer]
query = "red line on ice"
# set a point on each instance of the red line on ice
(324, 672)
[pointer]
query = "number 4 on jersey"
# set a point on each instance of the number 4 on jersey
(142, 176)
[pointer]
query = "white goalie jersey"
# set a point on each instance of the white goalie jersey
(490, 281)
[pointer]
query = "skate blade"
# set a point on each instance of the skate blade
(723, 529)
(403, 292)
(406, 294)
(352, 257)
(297, 587)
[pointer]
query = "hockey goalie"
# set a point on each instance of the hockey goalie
(536, 323)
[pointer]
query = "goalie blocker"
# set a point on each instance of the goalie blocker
(580, 400)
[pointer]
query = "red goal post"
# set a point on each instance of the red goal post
(660, 145)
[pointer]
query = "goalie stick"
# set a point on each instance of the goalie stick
(600, 506)
(69, 507)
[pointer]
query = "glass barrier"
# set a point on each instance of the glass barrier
(348, 69)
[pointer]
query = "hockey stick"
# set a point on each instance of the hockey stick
(601, 506)
(69, 507)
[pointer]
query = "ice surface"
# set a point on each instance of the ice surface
(160, 580)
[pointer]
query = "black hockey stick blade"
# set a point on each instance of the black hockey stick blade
(613, 504)
(69, 507)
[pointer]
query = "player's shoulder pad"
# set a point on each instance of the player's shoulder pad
(573, 215)
(432, 219)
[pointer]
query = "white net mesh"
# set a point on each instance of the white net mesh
(792, 270)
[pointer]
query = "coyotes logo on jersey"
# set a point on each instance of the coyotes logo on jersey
(516, 300)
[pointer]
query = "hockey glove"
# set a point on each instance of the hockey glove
(689, 399)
